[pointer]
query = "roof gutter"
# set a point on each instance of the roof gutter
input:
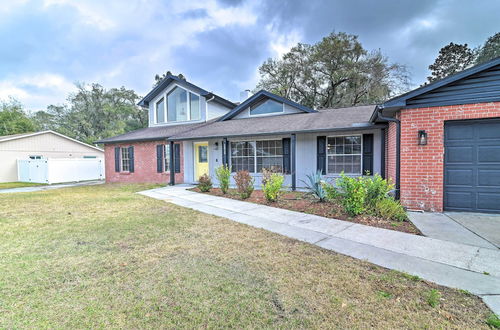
(380, 108)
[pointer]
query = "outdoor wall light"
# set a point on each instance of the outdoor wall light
(422, 137)
(216, 146)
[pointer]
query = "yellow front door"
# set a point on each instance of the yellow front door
(200, 159)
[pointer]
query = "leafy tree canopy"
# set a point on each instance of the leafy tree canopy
(159, 78)
(452, 58)
(337, 71)
(489, 50)
(13, 119)
(93, 113)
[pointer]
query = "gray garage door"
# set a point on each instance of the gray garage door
(472, 166)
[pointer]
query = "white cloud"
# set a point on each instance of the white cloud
(36, 91)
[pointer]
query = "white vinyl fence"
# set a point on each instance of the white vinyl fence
(57, 170)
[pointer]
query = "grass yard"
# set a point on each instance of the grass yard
(102, 256)
(8, 185)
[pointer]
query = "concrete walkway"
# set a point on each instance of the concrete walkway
(484, 225)
(49, 187)
(444, 227)
(464, 266)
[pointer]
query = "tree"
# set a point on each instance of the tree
(335, 72)
(489, 50)
(452, 58)
(93, 113)
(159, 78)
(13, 119)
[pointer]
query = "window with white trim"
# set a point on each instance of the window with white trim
(125, 159)
(265, 107)
(160, 111)
(182, 105)
(253, 156)
(344, 154)
(166, 155)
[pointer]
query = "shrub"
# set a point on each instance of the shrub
(244, 184)
(353, 193)
(331, 191)
(267, 172)
(223, 175)
(205, 183)
(273, 186)
(377, 189)
(390, 209)
(315, 185)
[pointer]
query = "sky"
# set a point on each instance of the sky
(49, 45)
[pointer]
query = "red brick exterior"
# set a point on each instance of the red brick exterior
(422, 167)
(145, 169)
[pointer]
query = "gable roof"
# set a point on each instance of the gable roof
(400, 100)
(262, 94)
(480, 83)
(152, 133)
(25, 135)
(340, 119)
(165, 82)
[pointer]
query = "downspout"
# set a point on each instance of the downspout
(398, 148)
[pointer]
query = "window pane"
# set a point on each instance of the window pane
(125, 160)
(202, 154)
(166, 154)
(270, 155)
(195, 107)
(266, 106)
(177, 105)
(243, 156)
(344, 154)
(160, 111)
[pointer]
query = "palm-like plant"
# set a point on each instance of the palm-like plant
(315, 185)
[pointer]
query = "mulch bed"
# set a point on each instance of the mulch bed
(302, 202)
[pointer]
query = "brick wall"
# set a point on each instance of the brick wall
(144, 164)
(422, 167)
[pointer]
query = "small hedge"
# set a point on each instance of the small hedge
(204, 183)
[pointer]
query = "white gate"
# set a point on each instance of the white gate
(57, 170)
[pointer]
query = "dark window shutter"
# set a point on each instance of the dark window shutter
(177, 158)
(367, 154)
(286, 156)
(321, 154)
(117, 159)
(159, 158)
(131, 156)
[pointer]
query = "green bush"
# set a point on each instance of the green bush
(353, 194)
(273, 186)
(316, 186)
(390, 208)
(377, 189)
(205, 183)
(223, 175)
(331, 191)
(244, 184)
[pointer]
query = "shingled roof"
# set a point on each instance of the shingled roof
(350, 118)
(152, 133)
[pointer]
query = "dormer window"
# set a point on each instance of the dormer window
(182, 105)
(266, 106)
(160, 111)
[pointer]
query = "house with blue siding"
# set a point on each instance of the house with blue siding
(440, 144)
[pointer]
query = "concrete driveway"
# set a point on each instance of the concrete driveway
(484, 225)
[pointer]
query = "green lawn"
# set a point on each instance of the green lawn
(8, 185)
(102, 256)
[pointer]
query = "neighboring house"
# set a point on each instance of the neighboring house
(39, 145)
(192, 131)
